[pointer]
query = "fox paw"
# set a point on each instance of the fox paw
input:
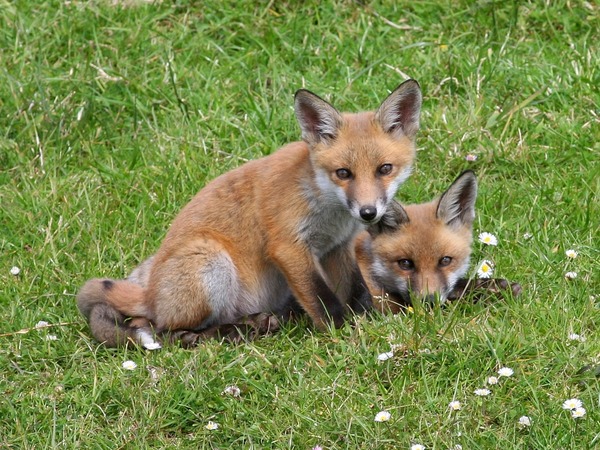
(482, 288)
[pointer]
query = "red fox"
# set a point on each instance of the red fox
(276, 228)
(420, 250)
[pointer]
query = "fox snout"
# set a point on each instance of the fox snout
(368, 213)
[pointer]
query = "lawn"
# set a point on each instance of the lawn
(114, 113)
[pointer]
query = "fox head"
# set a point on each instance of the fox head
(424, 249)
(361, 159)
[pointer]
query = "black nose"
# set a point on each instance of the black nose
(368, 213)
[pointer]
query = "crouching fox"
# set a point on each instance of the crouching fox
(276, 228)
(424, 250)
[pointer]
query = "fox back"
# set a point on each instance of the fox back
(276, 228)
(420, 250)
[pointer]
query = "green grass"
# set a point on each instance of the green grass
(113, 114)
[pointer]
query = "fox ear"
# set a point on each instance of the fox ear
(400, 111)
(319, 121)
(456, 206)
(394, 217)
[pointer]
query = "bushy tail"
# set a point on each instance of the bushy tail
(116, 312)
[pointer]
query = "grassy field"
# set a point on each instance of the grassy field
(114, 113)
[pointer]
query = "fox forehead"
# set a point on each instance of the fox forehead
(362, 143)
(425, 239)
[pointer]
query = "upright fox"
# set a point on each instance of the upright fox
(421, 250)
(276, 228)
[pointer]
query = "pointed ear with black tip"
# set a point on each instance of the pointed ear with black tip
(391, 221)
(456, 206)
(400, 112)
(319, 121)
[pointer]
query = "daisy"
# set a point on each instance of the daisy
(232, 390)
(572, 403)
(488, 238)
(492, 380)
(576, 337)
(385, 356)
(129, 365)
(470, 157)
(505, 372)
(578, 412)
(486, 269)
(482, 392)
(571, 275)
(41, 324)
(211, 425)
(571, 254)
(417, 447)
(15, 271)
(382, 416)
(454, 405)
(525, 421)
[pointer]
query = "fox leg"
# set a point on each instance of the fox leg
(346, 279)
(195, 286)
(246, 329)
(480, 288)
(306, 279)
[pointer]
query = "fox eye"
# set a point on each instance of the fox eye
(343, 174)
(406, 264)
(445, 261)
(385, 169)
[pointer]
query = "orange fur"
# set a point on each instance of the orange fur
(272, 229)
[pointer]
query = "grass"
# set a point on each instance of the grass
(113, 114)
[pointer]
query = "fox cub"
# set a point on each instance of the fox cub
(278, 228)
(420, 250)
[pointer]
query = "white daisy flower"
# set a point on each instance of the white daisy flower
(382, 416)
(571, 275)
(505, 372)
(578, 412)
(417, 447)
(211, 425)
(482, 392)
(486, 269)
(129, 365)
(572, 403)
(385, 356)
(454, 405)
(576, 337)
(15, 271)
(492, 380)
(525, 421)
(41, 324)
(232, 390)
(571, 254)
(488, 238)
(470, 157)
